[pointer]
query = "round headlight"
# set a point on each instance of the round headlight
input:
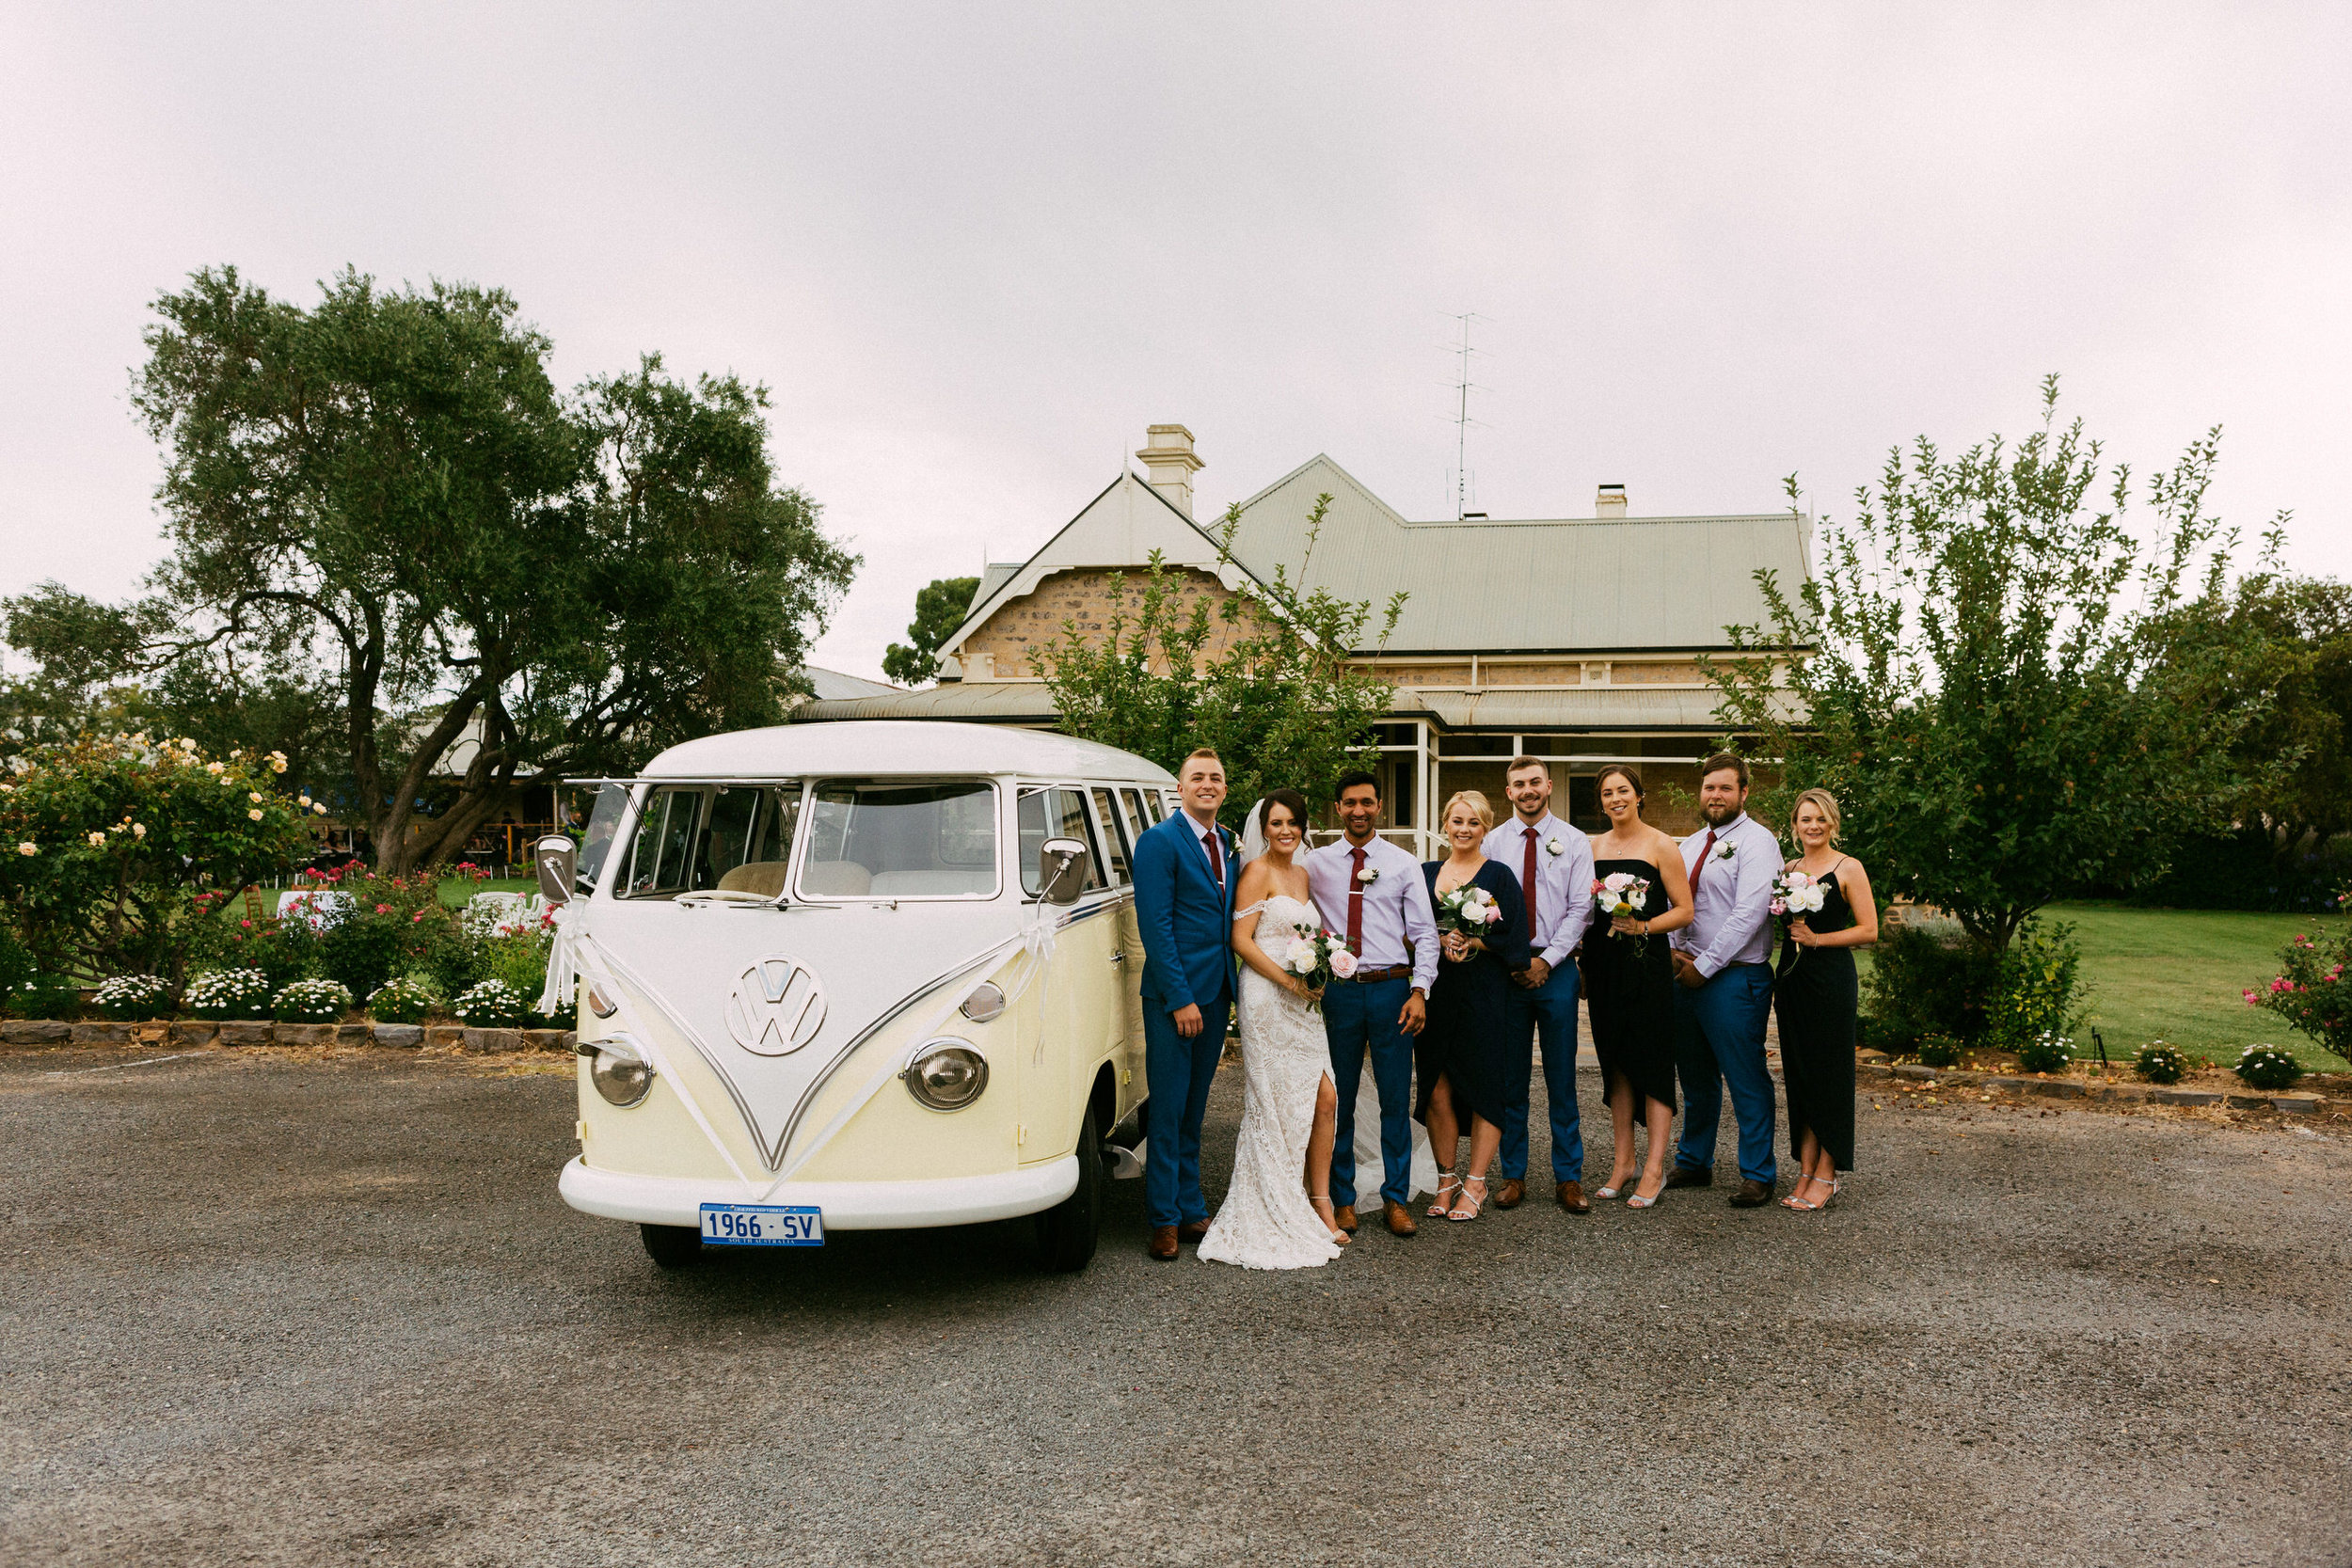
(946, 1075)
(986, 1002)
(619, 1070)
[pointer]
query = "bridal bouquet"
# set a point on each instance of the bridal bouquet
(1470, 910)
(1317, 957)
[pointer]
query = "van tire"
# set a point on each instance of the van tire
(1066, 1233)
(673, 1246)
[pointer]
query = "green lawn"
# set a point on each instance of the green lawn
(2176, 976)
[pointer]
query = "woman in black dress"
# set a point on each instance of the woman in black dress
(1815, 995)
(1460, 1051)
(1629, 982)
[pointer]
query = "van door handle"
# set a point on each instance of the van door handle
(1118, 958)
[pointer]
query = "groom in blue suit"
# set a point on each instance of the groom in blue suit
(1184, 871)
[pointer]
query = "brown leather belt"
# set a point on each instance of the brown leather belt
(1366, 976)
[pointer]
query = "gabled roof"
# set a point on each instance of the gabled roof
(1118, 529)
(1569, 585)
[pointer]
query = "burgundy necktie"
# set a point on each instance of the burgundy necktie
(1356, 902)
(1527, 883)
(1216, 861)
(1700, 869)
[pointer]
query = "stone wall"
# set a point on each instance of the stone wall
(1018, 636)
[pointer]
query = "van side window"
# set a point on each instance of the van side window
(1133, 811)
(1117, 843)
(1055, 812)
(751, 837)
(661, 858)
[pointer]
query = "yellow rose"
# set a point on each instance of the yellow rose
(255, 813)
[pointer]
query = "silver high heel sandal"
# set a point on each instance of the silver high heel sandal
(1630, 1183)
(1635, 1201)
(1441, 1209)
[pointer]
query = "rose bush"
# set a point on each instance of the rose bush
(104, 840)
(2313, 991)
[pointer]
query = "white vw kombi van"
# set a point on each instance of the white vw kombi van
(856, 976)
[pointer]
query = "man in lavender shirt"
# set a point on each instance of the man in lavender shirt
(1725, 985)
(1540, 850)
(1373, 893)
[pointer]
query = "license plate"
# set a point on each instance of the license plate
(762, 1225)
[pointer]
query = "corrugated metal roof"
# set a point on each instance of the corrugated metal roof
(1564, 584)
(832, 686)
(981, 701)
(1570, 708)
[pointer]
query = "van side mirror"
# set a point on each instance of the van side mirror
(558, 860)
(1061, 870)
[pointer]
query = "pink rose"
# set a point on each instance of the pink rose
(1343, 964)
(1780, 906)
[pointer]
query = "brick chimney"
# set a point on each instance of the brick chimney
(1167, 459)
(1610, 502)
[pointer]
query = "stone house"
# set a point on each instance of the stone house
(1572, 639)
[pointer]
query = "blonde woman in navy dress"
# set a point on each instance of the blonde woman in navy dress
(1816, 997)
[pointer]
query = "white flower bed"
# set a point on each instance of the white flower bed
(491, 1005)
(134, 996)
(312, 1002)
(228, 993)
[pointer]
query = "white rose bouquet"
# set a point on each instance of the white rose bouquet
(1795, 896)
(1317, 957)
(1621, 895)
(1468, 910)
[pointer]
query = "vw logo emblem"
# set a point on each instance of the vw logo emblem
(776, 1007)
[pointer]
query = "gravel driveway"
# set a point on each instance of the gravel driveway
(269, 1310)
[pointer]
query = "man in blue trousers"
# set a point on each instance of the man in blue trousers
(1554, 862)
(1373, 893)
(1184, 869)
(1724, 985)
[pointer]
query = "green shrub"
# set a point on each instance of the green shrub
(2160, 1063)
(491, 1005)
(1938, 1050)
(520, 959)
(229, 994)
(319, 1001)
(133, 998)
(16, 963)
(2267, 1067)
(46, 996)
(2037, 988)
(2048, 1051)
(1928, 979)
(403, 1001)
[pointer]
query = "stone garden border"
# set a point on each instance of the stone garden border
(2101, 1089)
(399, 1037)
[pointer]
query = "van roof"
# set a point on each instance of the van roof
(899, 746)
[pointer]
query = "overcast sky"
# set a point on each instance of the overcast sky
(974, 250)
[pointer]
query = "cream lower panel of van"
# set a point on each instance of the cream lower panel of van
(668, 1144)
(894, 1137)
(655, 1136)
(848, 1205)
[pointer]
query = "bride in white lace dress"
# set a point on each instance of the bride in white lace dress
(1269, 1220)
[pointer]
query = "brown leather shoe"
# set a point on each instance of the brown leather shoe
(1571, 1198)
(1510, 1193)
(1751, 1195)
(1192, 1230)
(1343, 1218)
(1400, 1219)
(1690, 1176)
(1162, 1244)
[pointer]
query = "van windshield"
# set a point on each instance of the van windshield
(890, 838)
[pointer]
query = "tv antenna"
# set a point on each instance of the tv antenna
(1462, 422)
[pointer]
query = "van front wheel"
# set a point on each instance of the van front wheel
(1066, 1233)
(673, 1246)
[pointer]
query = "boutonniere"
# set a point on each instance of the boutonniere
(1369, 875)
(1553, 847)
(1727, 850)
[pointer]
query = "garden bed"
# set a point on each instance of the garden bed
(408, 1036)
(2314, 1093)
